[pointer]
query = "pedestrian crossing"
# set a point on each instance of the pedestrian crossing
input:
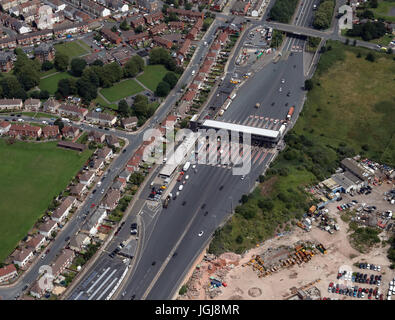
(228, 155)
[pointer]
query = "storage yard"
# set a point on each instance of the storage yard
(301, 265)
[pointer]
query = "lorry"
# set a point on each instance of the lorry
(290, 113)
(186, 166)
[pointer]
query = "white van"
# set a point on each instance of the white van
(180, 187)
(186, 177)
(193, 72)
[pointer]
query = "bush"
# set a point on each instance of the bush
(283, 10)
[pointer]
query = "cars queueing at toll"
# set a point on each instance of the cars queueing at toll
(355, 291)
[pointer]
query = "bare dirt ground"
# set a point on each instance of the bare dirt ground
(244, 283)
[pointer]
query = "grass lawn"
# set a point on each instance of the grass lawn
(47, 73)
(153, 74)
(349, 111)
(51, 83)
(99, 100)
(121, 90)
(384, 9)
(73, 48)
(31, 175)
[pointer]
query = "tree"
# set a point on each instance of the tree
(124, 25)
(123, 108)
(58, 122)
(308, 84)
(139, 29)
(113, 72)
(66, 87)
(114, 29)
(61, 61)
(44, 95)
(163, 89)
(159, 56)
(47, 65)
(10, 86)
(28, 77)
(98, 62)
(171, 79)
(373, 3)
(130, 69)
(370, 57)
(86, 90)
(77, 66)
(188, 6)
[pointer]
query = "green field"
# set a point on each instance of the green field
(31, 175)
(153, 74)
(384, 9)
(121, 90)
(73, 48)
(349, 111)
(51, 83)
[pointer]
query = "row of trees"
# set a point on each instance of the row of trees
(367, 31)
(323, 15)
(283, 10)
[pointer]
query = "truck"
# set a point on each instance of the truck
(290, 113)
(186, 166)
(233, 96)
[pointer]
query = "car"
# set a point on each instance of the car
(282, 80)
(94, 191)
(280, 89)
(93, 205)
(43, 256)
(153, 263)
(200, 233)
(67, 238)
(175, 254)
(106, 129)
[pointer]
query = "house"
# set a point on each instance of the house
(6, 62)
(70, 132)
(51, 105)
(176, 25)
(111, 200)
(97, 165)
(92, 225)
(117, 5)
(38, 290)
(4, 127)
(10, 104)
(189, 96)
(62, 262)
(63, 210)
(72, 110)
(7, 273)
(125, 174)
(160, 28)
(112, 141)
(32, 104)
(44, 52)
(111, 36)
(150, 5)
(50, 131)
(105, 153)
(119, 184)
(129, 123)
(138, 38)
(218, 5)
(57, 5)
(101, 118)
(78, 190)
(47, 228)
(122, 56)
(78, 242)
(134, 163)
(222, 38)
(96, 136)
(36, 242)
(22, 257)
(94, 8)
(8, 43)
(181, 55)
(137, 21)
(153, 17)
(192, 34)
(87, 178)
(24, 130)
(240, 7)
(162, 42)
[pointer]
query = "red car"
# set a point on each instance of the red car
(339, 208)
(92, 205)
